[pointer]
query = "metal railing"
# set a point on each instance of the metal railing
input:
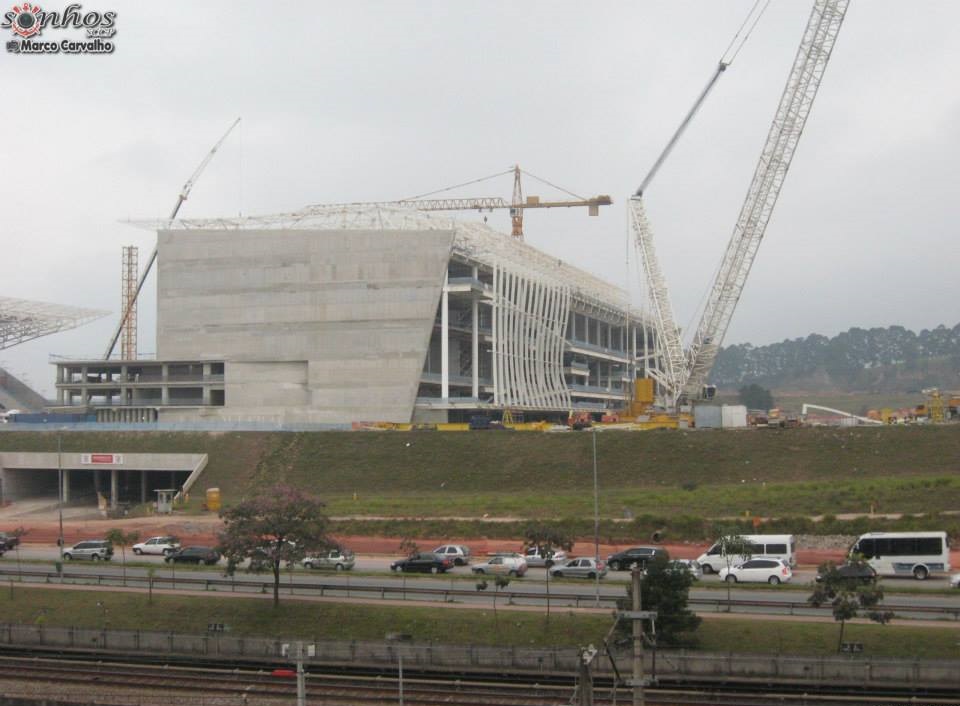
(404, 591)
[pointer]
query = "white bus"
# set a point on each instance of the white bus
(775, 546)
(905, 553)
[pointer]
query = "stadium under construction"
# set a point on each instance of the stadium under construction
(366, 313)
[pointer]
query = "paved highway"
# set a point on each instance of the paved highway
(372, 574)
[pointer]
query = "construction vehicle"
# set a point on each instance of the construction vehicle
(682, 373)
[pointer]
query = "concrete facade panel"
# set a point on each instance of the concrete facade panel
(316, 325)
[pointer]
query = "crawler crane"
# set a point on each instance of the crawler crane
(681, 374)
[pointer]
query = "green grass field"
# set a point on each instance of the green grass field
(698, 473)
(337, 621)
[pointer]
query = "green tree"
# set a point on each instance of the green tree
(547, 538)
(848, 595)
(119, 538)
(280, 524)
(734, 549)
(755, 397)
(499, 582)
(665, 588)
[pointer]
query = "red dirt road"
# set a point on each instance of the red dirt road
(202, 530)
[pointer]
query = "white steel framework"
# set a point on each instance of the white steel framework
(472, 240)
(529, 321)
(22, 320)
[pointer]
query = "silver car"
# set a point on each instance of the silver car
(457, 553)
(579, 568)
(503, 565)
(692, 566)
(336, 559)
(94, 549)
(547, 557)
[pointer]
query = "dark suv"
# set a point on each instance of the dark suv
(194, 555)
(635, 556)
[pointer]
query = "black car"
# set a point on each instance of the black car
(635, 556)
(854, 573)
(427, 563)
(194, 555)
(8, 542)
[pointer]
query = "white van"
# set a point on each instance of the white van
(916, 554)
(775, 546)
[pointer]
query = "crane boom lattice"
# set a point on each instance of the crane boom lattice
(788, 123)
(668, 343)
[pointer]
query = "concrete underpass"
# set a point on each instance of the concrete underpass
(104, 480)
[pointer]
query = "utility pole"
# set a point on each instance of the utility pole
(60, 498)
(596, 522)
(637, 682)
(301, 681)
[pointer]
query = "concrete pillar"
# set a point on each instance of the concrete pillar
(66, 486)
(114, 487)
(96, 481)
(444, 339)
(143, 487)
(206, 383)
(475, 347)
(164, 390)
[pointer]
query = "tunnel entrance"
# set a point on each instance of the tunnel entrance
(124, 480)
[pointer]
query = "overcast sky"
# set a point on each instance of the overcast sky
(380, 100)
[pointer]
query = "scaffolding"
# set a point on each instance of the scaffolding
(128, 303)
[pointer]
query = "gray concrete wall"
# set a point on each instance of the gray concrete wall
(314, 325)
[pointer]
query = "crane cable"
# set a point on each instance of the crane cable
(726, 53)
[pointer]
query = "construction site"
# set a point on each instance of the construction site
(398, 315)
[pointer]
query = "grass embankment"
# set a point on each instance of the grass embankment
(332, 621)
(705, 473)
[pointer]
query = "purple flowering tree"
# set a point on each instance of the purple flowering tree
(279, 525)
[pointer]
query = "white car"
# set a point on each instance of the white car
(164, 546)
(758, 570)
(955, 581)
(457, 553)
(503, 564)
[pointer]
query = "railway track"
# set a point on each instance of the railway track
(72, 680)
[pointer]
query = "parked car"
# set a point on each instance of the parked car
(459, 553)
(503, 564)
(635, 556)
(426, 562)
(758, 570)
(860, 573)
(194, 555)
(690, 565)
(8, 542)
(955, 581)
(537, 557)
(336, 559)
(93, 549)
(157, 545)
(579, 568)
